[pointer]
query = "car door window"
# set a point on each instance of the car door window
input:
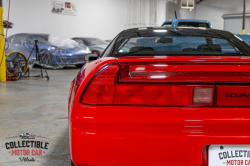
(79, 41)
(23, 38)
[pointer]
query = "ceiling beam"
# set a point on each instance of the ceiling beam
(199, 1)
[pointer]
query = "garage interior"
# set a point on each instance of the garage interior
(35, 105)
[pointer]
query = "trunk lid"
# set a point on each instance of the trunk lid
(185, 69)
(229, 76)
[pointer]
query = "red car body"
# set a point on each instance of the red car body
(173, 132)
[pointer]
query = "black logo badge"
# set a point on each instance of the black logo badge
(238, 95)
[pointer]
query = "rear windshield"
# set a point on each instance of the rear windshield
(193, 24)
(93, 41)
(167, 25)
(178, 42)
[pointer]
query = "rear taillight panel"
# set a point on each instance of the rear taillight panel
(167, 84)
(106, 88)
(156, 95)
(100, 89)
(204, 156)
(203, 95)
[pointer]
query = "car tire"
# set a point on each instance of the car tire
(72, 164)
(79, 65)
(45, 58)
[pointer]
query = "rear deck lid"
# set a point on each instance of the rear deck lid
(185, 69)
(228, 76)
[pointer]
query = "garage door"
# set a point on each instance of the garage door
(233, 23)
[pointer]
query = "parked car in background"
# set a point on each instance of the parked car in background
(187, 23)
(53, 55)
(245, 37)
(108, 41)
(175, 97)
(94, 44)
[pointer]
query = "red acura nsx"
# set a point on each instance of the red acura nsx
(163, 97)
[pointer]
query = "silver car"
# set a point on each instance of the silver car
(94, 44)
(27, 136)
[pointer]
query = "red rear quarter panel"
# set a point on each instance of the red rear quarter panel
(149, 136)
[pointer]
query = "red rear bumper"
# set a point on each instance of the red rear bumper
(152, 136)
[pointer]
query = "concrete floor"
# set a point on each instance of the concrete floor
(39, 107)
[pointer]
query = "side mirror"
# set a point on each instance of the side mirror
(91, 56)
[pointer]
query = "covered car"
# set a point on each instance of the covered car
(177, 96)
(94, 44)
(54, 51)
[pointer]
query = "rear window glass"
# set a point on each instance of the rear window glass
(179, 45)
(167, 25)
(178, 42)
(93, 41)
(79, 41)
(193, 24)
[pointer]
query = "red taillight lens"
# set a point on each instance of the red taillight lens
(154, 94)
(204, 156)
(101, 89)
(71, 87)
(106, 89)
(203, 95)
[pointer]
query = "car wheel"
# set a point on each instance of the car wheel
(45, 58)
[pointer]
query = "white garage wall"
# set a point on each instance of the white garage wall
(162, 11)
(146, 13)
(106, 18)
(214, 9)
(100, 18)
(95, 18)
